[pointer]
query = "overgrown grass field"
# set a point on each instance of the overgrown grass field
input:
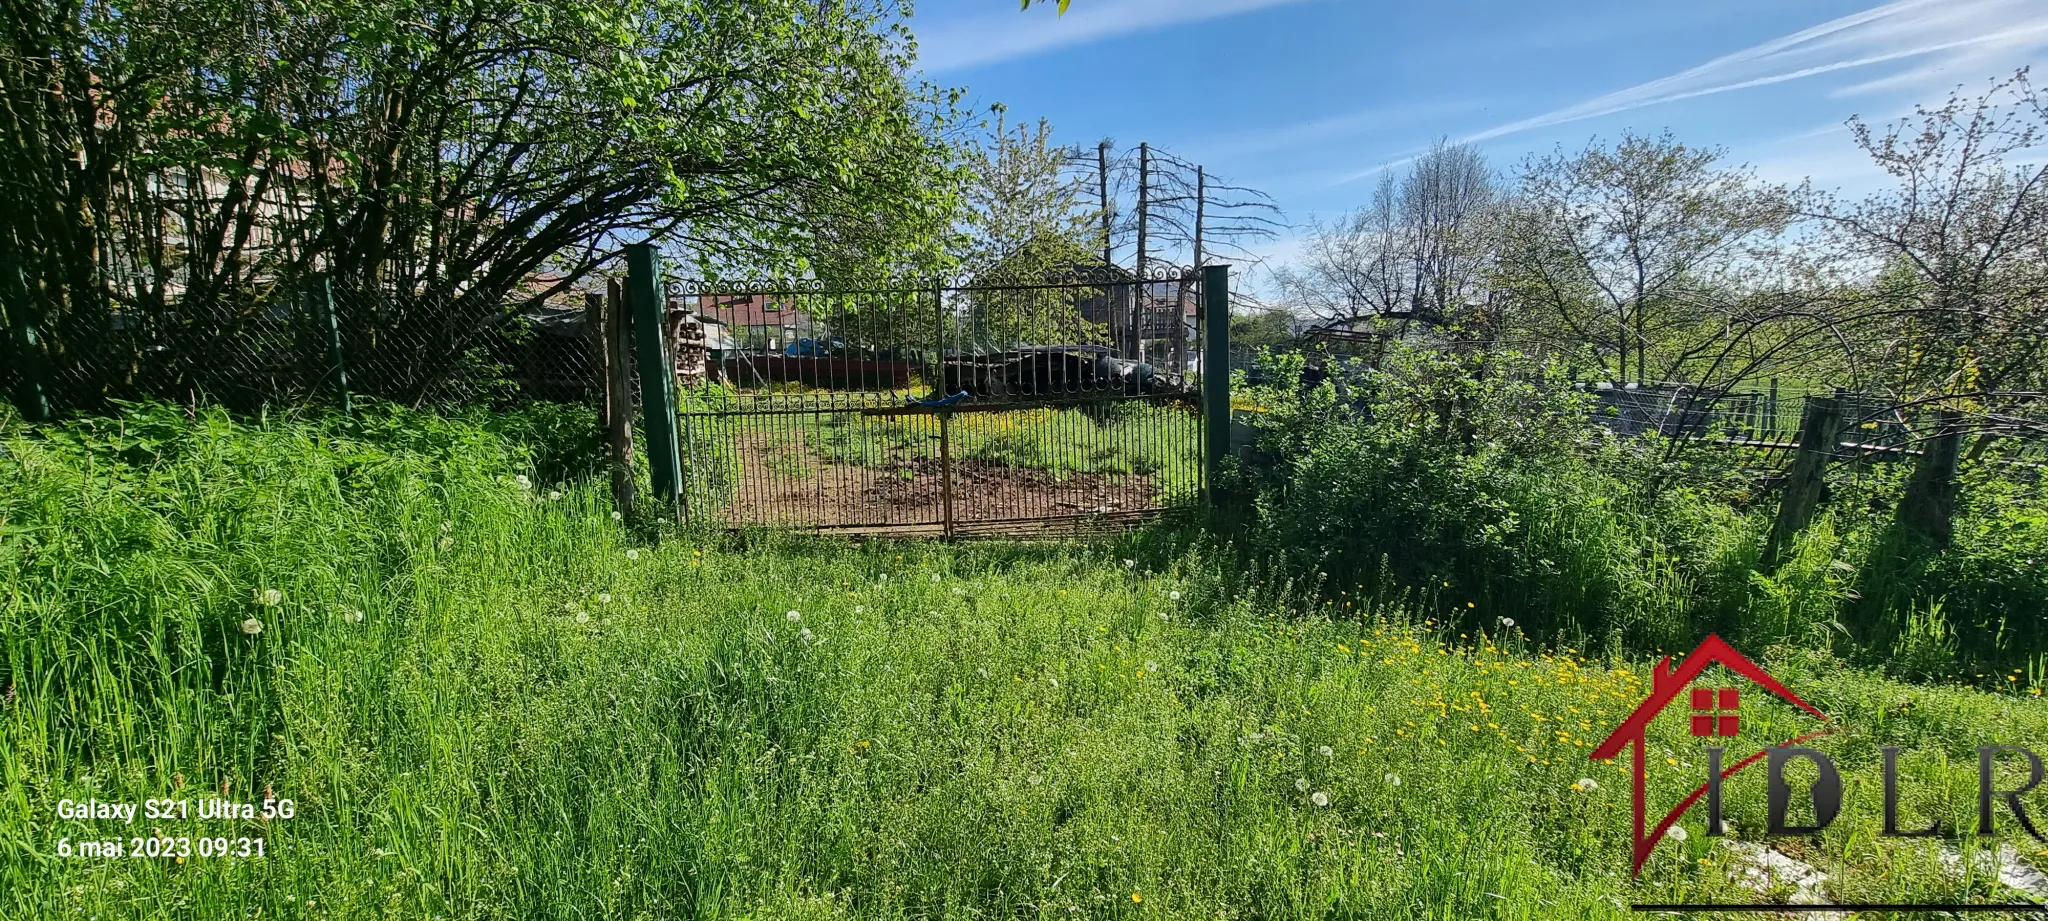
(488, 698)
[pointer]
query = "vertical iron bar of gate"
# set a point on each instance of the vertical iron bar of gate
(1215, 374)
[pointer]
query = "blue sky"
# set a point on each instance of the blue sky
(1309, 99)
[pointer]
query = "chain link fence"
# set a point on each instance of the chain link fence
(311, 342)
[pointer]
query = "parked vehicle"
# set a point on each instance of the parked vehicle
(1048, 370)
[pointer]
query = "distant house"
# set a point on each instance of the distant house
(756, 321)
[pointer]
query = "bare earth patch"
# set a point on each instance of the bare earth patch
(782, 484)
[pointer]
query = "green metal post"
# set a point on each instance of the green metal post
(1215, 373)
(657, 371)
(330, 325)
(33, 402)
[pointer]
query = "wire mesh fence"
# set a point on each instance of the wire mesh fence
(310, 342)
(946, 406)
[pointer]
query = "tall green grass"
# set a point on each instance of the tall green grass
(1475, 484)
(538, 716)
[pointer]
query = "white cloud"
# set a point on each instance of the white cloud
(1972, 33)
(1376, 120)
(963, 43)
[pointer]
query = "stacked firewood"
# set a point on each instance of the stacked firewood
(686, 343)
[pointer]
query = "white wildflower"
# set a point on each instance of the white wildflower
(1677, 833)
(1174, 595)
(618, 515)
(522, 482)
(1130, 563)
(632, 553)
(1507, 622)
(268, 597)
(793, 617)
(252, 626)
(1319, 798)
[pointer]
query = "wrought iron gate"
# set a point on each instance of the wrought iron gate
(948, 410)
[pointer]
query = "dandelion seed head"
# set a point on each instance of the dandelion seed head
(583, 617)
(252, 626)
(522, 482)
(632, 553)
(793, 617)
(353, 615)
(1393, 780)
(1173, 595)
(268, 597)
(604, 598)
(1301, 783)
(618, 515)
(1319, 798)
(1326, 751)
(1586, 785)
(1677, 833)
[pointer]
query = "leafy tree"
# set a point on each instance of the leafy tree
(1957, 316)
(173, 151)
(1418, 251)
(1647, 251)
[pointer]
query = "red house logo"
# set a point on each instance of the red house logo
(1715, 713)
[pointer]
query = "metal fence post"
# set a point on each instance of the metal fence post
(657, 373)
(1215, 374)
(32, 400)
(330, 326)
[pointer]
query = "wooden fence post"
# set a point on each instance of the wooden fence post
(618, 385)
(1928, 507)
(1820, 430)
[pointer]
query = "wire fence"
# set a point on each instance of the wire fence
(310, 342)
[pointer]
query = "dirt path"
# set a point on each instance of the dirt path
(785, 483)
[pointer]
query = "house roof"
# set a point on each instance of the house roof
(1666, 682)
(751, 310)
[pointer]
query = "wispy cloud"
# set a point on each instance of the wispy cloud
(958, 44)
(1251, 143)
(1898, 31)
